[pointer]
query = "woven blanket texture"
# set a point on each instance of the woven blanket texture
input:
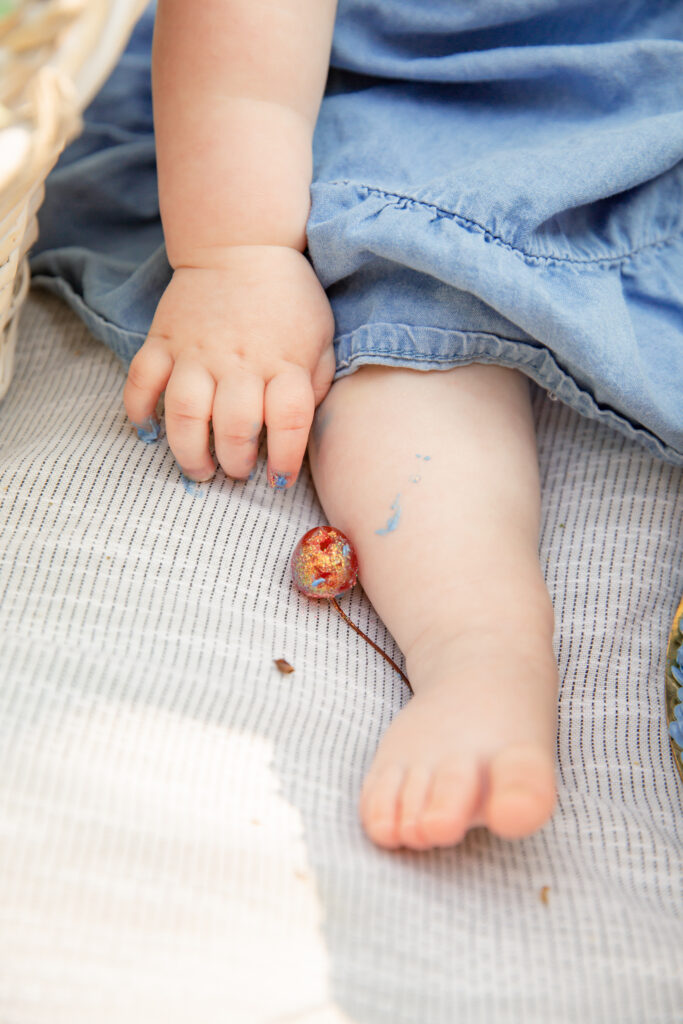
(179, 839)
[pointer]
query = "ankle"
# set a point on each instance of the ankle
(459, 641)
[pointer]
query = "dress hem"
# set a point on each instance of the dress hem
(399, 345)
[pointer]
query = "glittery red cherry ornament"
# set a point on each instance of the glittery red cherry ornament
(324, 564)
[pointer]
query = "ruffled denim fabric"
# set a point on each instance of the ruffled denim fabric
(494, 182)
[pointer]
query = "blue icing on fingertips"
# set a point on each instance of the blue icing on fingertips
(278, 480)
(392, 523)
(149, 430)
(677, 673)
(676, 732)
(192, 487)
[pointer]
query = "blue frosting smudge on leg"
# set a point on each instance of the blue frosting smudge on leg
(392, 523)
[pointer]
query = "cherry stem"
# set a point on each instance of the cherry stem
(372, 643)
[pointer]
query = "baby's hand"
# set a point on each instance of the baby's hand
(244, 340)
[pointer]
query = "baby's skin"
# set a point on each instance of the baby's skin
(442, 506)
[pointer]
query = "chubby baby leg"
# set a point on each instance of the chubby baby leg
(433, 475)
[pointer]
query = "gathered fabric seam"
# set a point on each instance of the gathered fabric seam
(604, 411)
(469, 222)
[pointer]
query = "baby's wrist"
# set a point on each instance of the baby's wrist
(223, 257)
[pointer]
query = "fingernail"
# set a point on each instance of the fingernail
(148, 430)
(197, 479)
(278, 480)
(203, 478)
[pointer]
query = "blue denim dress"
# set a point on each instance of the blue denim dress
(498, 181)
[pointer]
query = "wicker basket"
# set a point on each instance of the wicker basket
(54, 55)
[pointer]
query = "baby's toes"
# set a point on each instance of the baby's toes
(453, 800)
(379, 805)
(521, 792)
(412, 797)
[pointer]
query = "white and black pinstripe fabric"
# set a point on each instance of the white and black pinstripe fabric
(178, 829)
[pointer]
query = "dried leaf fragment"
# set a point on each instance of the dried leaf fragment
(283, 666)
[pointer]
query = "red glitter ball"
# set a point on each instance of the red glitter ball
(324, 563)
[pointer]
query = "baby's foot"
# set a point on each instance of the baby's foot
(455, 577)
(474, 746)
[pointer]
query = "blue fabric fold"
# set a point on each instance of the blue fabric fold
(493, 182)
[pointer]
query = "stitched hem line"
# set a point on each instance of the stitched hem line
(365, 346)
(474, 225)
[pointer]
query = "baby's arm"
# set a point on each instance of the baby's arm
(243, 333)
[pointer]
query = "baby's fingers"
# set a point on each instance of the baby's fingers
(147, 377)
(237, 421)
(187, 410)
(289, 406)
